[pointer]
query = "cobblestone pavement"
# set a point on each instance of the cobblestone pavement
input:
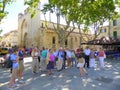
(68, 79)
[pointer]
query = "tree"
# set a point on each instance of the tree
(93, 12)
(66, 3)
(85, 12)
(31, 3)
(0, 33)
(81, 12)
(32, 6)
(63, 31)
(3, 4)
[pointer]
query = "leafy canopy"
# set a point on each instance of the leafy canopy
(79, 11)
(83, 11)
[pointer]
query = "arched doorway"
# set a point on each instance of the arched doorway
(24, 31)
(25, 41)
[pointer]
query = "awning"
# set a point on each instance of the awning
(104, 41)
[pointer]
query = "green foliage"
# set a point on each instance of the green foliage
(85, 12)
(33, 4)
(82, 11)
(3, 4)
(117, 2)
(1, 31)
(79, 11)
(0, 34)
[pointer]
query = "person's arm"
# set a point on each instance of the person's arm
(17, 57)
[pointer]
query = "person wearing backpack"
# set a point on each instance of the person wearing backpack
(14, 58)
(21, 65)
(8, 63)
(59, 62)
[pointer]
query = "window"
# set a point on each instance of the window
(42, 25)
(66, 42)
(115, 34)
(53, 40)
(105, 30)
(114, 22)
(75, 39)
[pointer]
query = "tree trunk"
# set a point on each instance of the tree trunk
(61, 38)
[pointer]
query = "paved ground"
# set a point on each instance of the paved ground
(108, 79)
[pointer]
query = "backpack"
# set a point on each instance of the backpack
(8, 63)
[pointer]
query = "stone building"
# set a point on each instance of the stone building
(10, 39)
(115, 29)
(33, 32)
(112, 30)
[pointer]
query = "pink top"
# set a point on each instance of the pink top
(52, 57)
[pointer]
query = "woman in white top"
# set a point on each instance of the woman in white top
(92, 59)
(35, 62)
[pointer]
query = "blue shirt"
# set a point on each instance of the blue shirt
(14, 57)
(60, 55)
(21, 55)
(55, 53)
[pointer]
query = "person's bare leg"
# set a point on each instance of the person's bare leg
(81, 72)
(10, 82)
(85, 71)
(49, 72)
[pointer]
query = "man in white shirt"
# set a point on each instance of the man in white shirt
(87, 54)
(59, 62)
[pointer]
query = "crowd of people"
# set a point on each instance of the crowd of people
(46, 60)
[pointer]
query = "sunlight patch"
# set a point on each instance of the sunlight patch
(2, 84)
(116, 72)
(43, 75)
(68, 81)
(65, 88)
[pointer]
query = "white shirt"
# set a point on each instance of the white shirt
(68, 54)
(87, 51)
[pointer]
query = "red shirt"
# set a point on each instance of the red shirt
(101, 54)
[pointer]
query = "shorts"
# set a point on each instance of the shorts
(21, 65)
(14, 73)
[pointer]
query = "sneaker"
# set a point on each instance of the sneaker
(10, 89)
(15, 85)
(21, 81)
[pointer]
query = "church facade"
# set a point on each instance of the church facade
(32, 32)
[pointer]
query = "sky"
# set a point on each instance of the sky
(10, 22)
